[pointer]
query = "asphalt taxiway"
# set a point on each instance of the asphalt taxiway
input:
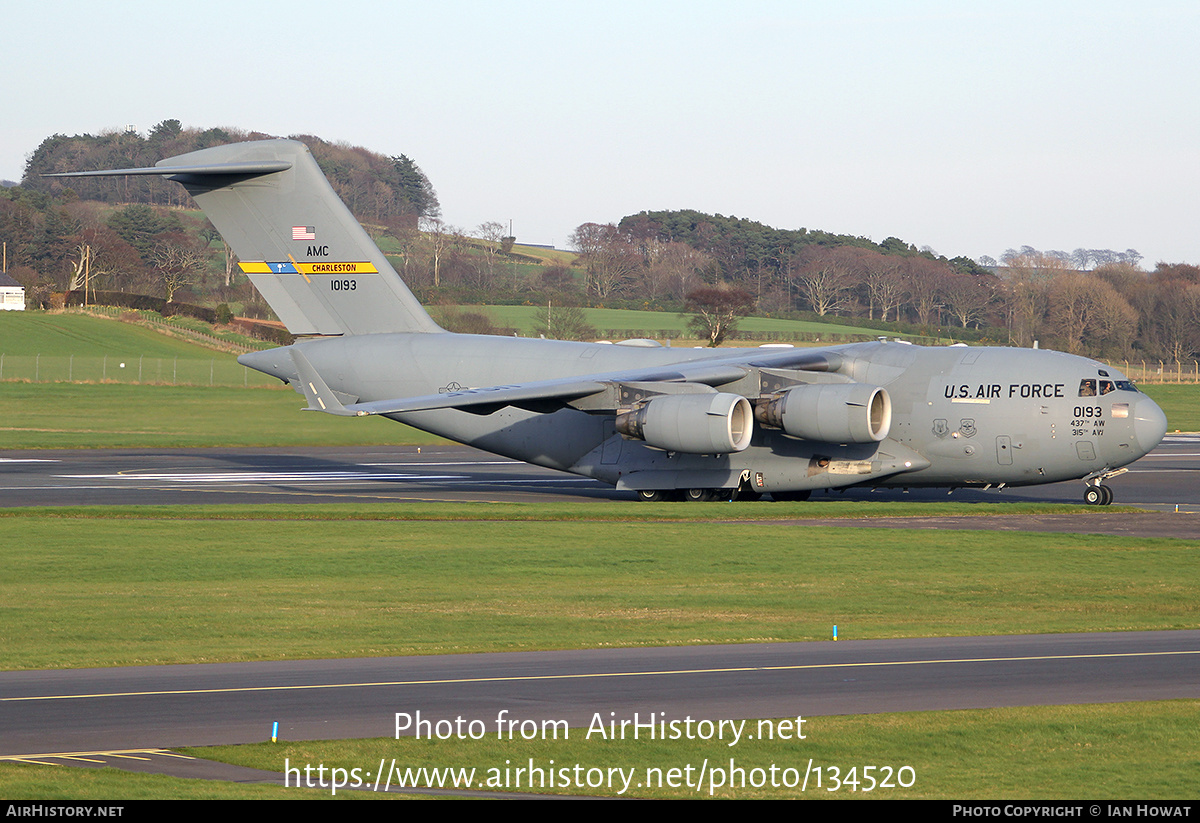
(1164, 480)
(45, 712)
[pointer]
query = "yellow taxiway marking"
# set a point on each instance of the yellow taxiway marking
(90, 757)
(597, 675)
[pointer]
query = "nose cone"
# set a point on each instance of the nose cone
(1149, 424)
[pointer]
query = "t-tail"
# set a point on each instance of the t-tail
(297, 242)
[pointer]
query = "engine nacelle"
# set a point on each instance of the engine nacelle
(691, 423)
(830, 412)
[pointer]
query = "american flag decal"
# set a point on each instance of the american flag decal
(304, 232)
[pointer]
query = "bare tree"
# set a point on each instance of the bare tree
(825, 282)
(98, 253)
(716, 312)
(924, 281)
(1027, 297)
(673, 268)
(968, 298)
(882, 281)
(81, 267)
(492, 234)
(608, 256)
(440, 237)
(1086, 310)
(178, 264)
(1175, 319)
(230, 261)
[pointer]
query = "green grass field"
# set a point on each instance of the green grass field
(1098, 752)
(32, 333)
(1143, 750)
(90, 416)
(1180, 402)
(258, 583)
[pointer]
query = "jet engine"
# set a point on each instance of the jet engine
(830, 413)
(707, 423)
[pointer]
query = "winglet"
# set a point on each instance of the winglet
(320, 397)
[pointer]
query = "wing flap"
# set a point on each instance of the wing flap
(491, 396)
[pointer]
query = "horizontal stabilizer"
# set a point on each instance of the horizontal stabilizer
(246, 169)
(320, 397)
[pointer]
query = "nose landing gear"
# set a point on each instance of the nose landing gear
(1096, 493)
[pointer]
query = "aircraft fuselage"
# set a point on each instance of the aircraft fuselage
(960, 416)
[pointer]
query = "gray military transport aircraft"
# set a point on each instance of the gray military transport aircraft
(665, 423)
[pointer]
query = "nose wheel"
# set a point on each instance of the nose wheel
(1096, 493)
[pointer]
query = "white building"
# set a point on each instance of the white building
(12, 294)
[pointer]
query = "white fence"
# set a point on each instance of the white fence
(220, 370)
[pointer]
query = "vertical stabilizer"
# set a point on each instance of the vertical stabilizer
(297, 242)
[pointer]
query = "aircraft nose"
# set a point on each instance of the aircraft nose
(1149, 424)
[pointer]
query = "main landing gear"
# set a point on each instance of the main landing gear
(708, 495)
(690, 495)
(652, 495)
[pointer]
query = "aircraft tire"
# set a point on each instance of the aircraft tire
(1093, 496)
(1108, 495)
(700, 495)
(791, 497)
(651, 495)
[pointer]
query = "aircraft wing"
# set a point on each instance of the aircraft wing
(537, 395)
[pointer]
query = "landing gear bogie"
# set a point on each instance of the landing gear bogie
(706, 495)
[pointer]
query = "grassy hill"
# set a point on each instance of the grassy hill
(31, 333)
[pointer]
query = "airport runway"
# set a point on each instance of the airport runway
(1161, 481)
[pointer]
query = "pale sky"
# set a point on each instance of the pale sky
(968, 127)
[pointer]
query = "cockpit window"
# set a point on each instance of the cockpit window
(1089, 387)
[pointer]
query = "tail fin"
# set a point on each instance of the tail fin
(298, 243)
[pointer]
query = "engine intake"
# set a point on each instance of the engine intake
(717, 423)
(829, 413)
